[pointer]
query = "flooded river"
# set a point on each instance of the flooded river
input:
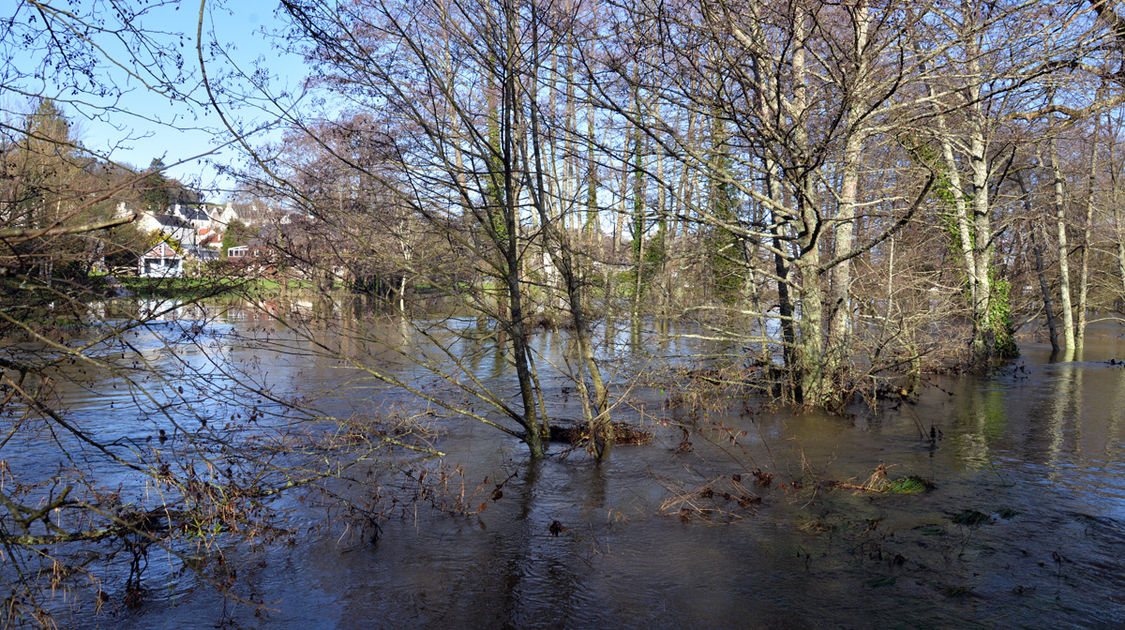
(1024, 525)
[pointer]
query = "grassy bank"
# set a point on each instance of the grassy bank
(199, 288)
(182, 288)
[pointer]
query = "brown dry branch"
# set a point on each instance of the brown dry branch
(722, 500)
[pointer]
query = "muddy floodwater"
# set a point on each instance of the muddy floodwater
(1024, 525)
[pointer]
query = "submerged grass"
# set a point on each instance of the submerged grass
(970, 518)
(880, 482)
(911, 484)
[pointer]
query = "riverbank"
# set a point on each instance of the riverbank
(204, 287)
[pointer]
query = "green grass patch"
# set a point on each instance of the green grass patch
(911, 484)
(206, 287)
(185, 288)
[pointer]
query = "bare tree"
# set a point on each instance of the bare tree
(470, 148)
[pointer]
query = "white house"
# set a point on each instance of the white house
(169, 225)
(161, 262)
(223, 216)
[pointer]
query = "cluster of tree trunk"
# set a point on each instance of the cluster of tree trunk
(849, 192)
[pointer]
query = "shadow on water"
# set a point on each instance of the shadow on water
(1024, 524)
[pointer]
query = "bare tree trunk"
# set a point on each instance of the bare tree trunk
(511, 245)
(1040, 269)
(688, 193)
(562, 255)
(1121, 261)
(772, 186)
(974, 233)
(1115, 212)
(1084, 274)
(781, 269)
(815, 391)
(984, 342)
(661, 237)
(572, 220)
(592, 219)
(1118, 229)
(844, 231)
(640, 212)
(1063, 247)
(618, 230)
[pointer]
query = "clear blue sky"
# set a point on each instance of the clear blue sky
(139, 124)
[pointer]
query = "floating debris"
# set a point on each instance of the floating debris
(722, 499)
(881, 483)
(815, 527)
(763, 479)
(624, 434)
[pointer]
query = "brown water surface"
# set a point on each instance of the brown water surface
(1024, 525)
